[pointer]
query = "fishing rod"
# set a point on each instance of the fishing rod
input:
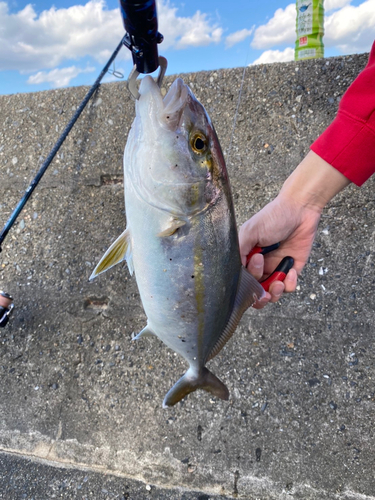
(141, 38)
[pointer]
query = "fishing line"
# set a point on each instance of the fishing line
(114, 72)
(228, 151)
(56, 147)
(60, 110)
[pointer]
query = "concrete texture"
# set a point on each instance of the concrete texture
(24, 478)
(76, 391)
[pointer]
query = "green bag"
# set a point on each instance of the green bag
(309, 29)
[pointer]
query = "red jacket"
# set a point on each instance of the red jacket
(348, 144)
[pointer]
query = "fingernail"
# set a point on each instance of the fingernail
(265, 299)
(262, 302)
(277, 290)
(257, 261)
(292, 275)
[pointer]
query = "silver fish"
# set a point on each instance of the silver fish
(181, 237)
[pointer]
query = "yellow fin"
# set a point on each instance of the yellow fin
(119, 250)
(175, 224)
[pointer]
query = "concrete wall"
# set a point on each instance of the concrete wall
(76, 390)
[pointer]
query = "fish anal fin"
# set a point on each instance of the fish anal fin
(249, 291)
(192, 381)
(120, 250)
(146, 332)
(172, 228)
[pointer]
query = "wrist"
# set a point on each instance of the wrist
(314, 183)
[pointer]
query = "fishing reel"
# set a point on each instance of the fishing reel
(6, 308)
(142, 38)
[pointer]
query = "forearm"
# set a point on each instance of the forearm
(313, 183)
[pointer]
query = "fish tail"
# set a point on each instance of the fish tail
(192, 381)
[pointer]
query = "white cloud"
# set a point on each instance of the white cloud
(280, 29)
(272, 56)
(237, 37)
(183, 32)
(32, 42)
(351, 29)
(58, 77)
(334, 4)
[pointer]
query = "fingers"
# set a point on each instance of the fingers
(259, 304)
(277, 288)
(256, 266)
(290, 281)
(247, 239)
(275, 292)
(5, 301)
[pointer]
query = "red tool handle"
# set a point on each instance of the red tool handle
(280, 272)
(262, 250)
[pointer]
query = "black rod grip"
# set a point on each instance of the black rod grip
(141, 23)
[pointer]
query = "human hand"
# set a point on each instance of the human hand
(5, 299)
(288, 222)
(292, 218)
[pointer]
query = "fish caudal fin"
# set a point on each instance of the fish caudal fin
(120, 250)
(190, 382)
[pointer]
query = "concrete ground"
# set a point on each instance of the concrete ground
(81, 404)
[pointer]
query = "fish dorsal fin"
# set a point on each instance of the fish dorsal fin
(120, 250)
(248, 292)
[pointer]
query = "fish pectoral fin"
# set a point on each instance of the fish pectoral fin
(146, 332)
(191, 381)
(172, 228)
(249, 290)
(120, 250)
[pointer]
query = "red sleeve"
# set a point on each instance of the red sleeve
(348, 144)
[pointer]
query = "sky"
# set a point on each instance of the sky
(66, 43)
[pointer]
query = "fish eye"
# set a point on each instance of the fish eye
(198, 143)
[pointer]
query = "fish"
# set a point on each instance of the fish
(181, 239)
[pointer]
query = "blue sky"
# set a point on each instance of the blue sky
(45, 45)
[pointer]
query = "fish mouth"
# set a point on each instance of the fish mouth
(168, 112)
(174, 103)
